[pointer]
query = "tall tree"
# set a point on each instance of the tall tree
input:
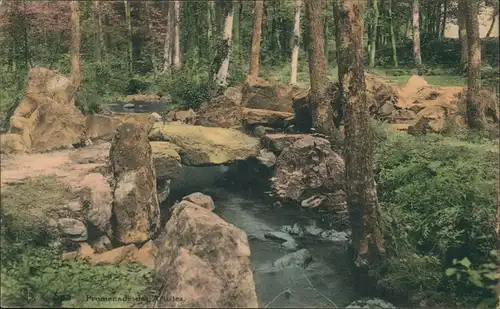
(76, 73)
(373, 45)
(364, 209)
(258, 14)
(97, 21)
(169, 38)
(296, 43)
(444, 20)
(130, 48)
(417, 56)
(322, 111)
(393, 37)
(462, 35)
(475, 114)
(223, 53)
(176, 61)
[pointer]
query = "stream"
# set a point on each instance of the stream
(325, 282)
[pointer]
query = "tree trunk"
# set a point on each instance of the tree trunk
(176, 61)
(462, 34)
(258, 13)
(393, 37)
(493, 19)
(416, 33)
(373, 46)
(296, 43)
(169, 37)
(325, 32)
(321, 107)
(210, 22)
(475, 114)
(364, 209)
(445, 16)
(151, 37)
(221, 60)
(130, 49)
(97, 21)
(236, 31)
(76, 73)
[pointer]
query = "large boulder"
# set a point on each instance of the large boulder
(99, 127)
(183, 116)
(47, 117)
(205, 145)
(268, 118)
(136, 207)
(53, 125)
(260, 94)
(166, 159)
(309, 173)
(203, 261)
(221, 111)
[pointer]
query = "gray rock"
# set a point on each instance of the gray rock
(74, 206)
(371, 303)
(299, 258)
(289, 245)
(129, 105)
(313, 230)
(278, 236)
(267, 158)
(73, 228)
(294, 229)
(334, 236)
(163, 189)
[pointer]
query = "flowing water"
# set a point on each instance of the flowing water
(326, 280)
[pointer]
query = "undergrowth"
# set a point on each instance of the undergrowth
(439, 200)
(33, 272)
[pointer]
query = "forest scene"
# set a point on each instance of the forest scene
(229, 153)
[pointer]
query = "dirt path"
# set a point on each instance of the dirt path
(70, 165)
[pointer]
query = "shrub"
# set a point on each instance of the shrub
(439, 199)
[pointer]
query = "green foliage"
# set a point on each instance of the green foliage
(187, 88)
(40, 277)
(33, 272)
(439, 201)
(483, 278)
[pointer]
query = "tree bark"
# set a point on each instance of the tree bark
(97, 21)
(151, 37)
(417, 56)
(475, 114)
(236, 31)
(393, 37)
(130, 49)
(321, 107)
(373, 46)
(462, 34)
(221, 60)
(364, 209)
(76, 73)
(445, 16)
(296, 43)
(169, 37)
(258, 14)
(176, 61)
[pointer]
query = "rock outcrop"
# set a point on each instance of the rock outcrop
(204, 261)
(264, 95)
(135, 201)
(310, 174)
(199, 145)
(47, 117)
